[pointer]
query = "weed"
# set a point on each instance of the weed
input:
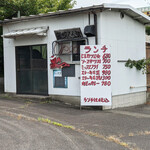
(55, 123)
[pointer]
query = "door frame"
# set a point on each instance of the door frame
(30, 48)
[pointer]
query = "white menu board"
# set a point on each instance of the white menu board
(95, 61)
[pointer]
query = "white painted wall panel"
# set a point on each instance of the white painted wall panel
(125, 36)
(9, 67)
(127, 40)
(76, 21)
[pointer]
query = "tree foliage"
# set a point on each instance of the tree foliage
(147, 30)
(143, 64)
(10, 8)
(45, 6)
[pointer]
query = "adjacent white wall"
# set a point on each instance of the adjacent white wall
(76, 21)
(127, 40)
(10, 53)
(9, 66)
(125, 36)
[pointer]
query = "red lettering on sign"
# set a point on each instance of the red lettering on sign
(95, 99)
(96, 50)
(104, 48)
(87, 48)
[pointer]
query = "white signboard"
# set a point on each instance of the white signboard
(95, 75)
(57, 73)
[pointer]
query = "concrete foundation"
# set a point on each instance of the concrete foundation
(73, 100)
(125, 100)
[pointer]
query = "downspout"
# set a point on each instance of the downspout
(89, 16)
(95, 23)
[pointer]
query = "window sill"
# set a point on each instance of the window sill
(74, 62)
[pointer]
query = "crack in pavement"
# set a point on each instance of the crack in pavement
(110, 138)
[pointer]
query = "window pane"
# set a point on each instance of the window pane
(65, 58)
(39, 57)
(39, 63)
(69, 51)
(39, 82)
(39, 52)
(44, 52)
(64, 51)
(24, 81)
(36, 52)
(64, 48)
(68, 71)
(60, 82)
(76, 50)
(23, 57)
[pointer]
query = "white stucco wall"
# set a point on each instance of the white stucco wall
(127, 40)
(76, 21)
(9, 66)
(10, 53)
(125, 36)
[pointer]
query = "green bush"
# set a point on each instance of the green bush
(147, 30)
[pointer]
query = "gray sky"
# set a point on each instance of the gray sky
(134, 3)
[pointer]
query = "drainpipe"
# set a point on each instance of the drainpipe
(89, 18)
(95, 23)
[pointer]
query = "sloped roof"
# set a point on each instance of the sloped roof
(126, 9)
(40, 31)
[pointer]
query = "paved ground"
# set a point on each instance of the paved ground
(49, 125)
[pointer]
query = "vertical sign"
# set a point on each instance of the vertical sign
(95, 75)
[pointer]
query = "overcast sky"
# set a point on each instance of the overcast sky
(134, 3)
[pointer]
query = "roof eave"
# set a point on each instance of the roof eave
(54, 14)
(130, 11)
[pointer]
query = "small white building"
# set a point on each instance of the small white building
(29, 43)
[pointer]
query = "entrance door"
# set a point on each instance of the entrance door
(31, 70)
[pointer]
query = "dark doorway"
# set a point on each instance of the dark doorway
(31, 69)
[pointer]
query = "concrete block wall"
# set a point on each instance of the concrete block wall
(127, 100)
(124, 100)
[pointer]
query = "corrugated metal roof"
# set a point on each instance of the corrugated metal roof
(126, 9)
(40, 31)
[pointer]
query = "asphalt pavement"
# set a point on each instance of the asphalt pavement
(27, 124)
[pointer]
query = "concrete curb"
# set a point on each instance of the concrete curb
(43, 99)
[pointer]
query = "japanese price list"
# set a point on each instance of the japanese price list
(95, 75)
